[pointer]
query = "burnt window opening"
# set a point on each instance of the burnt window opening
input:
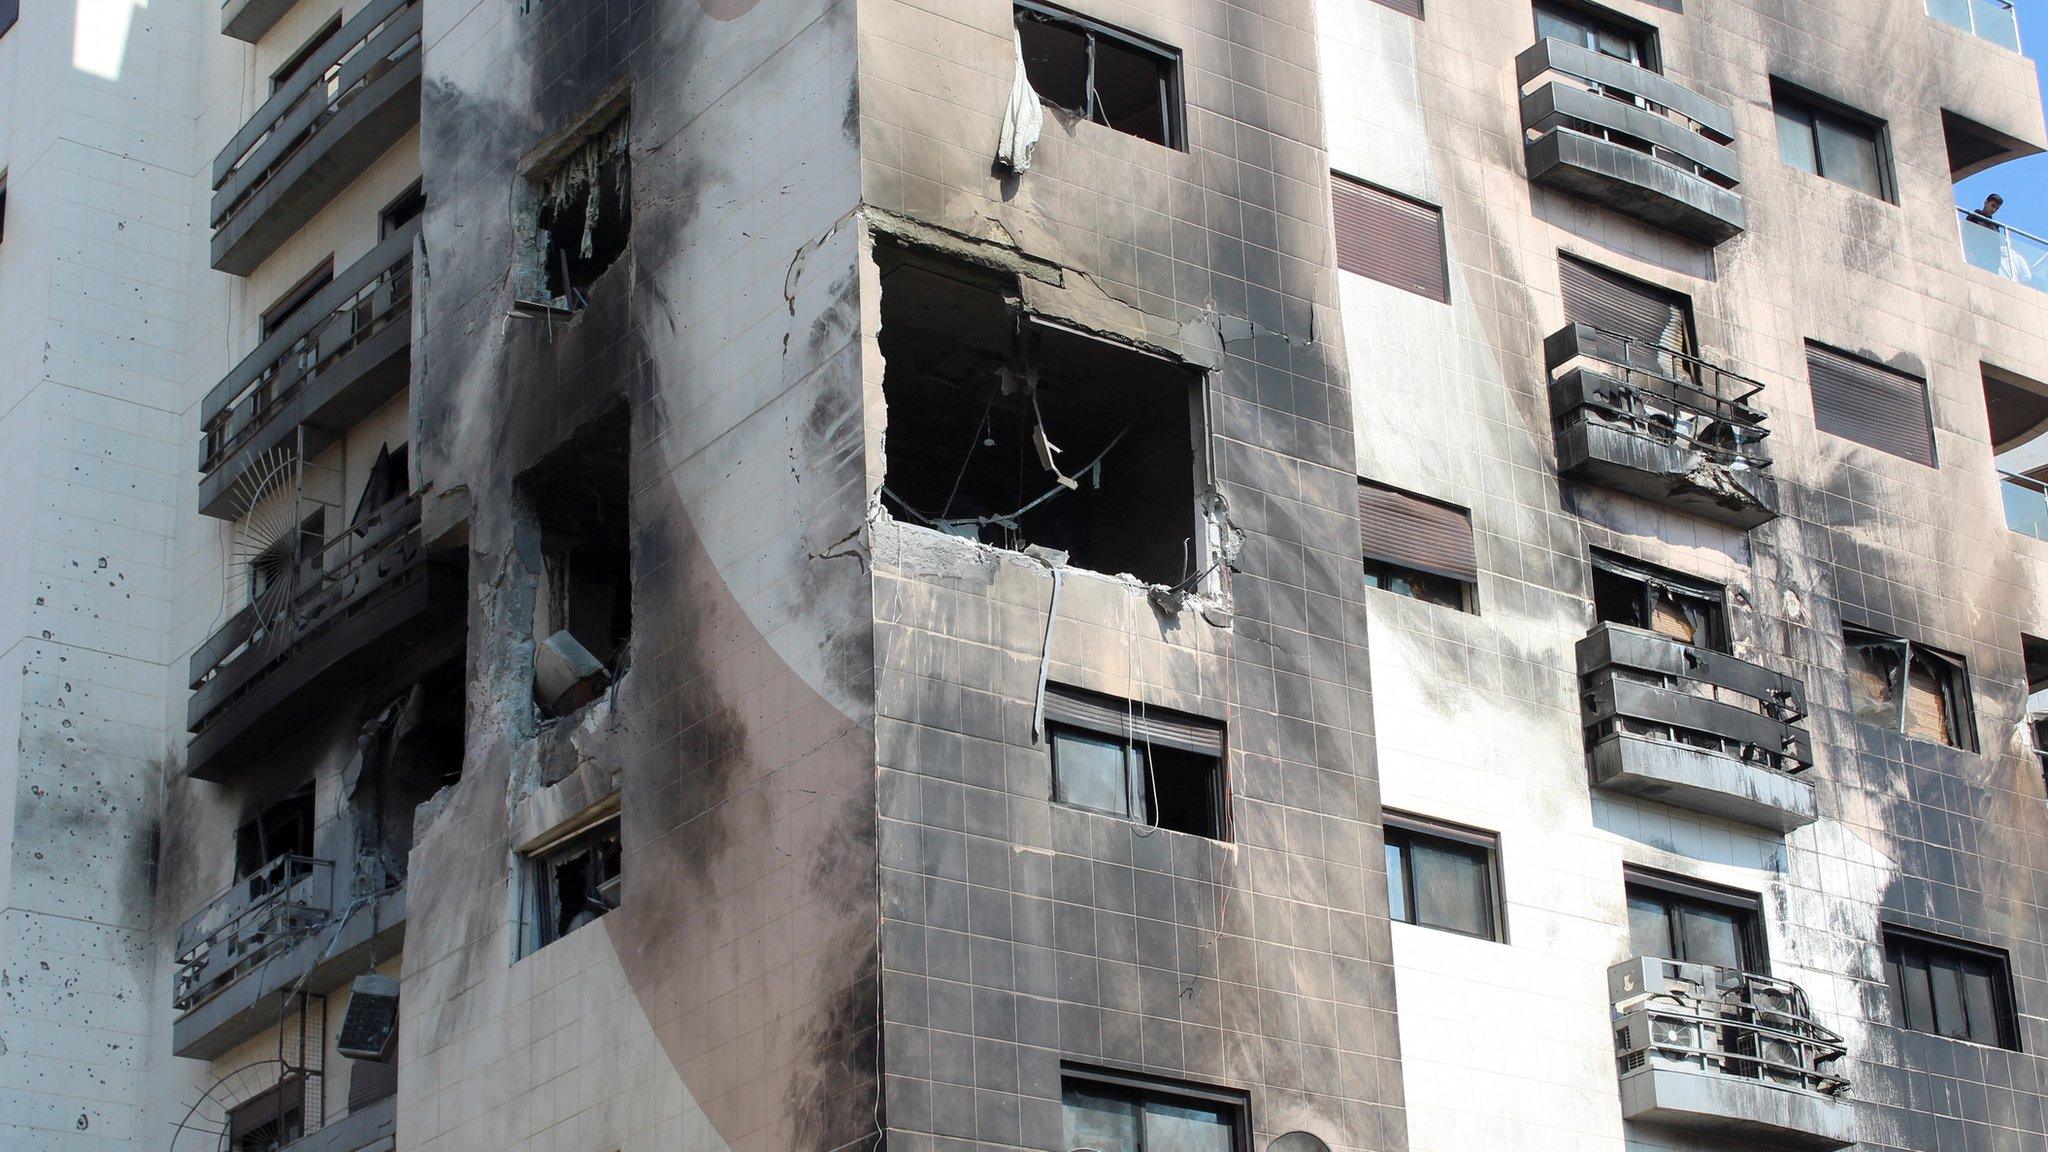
(412, 747)
(402, 211)
(1111, 1111)
(1121, 758)
(1443, 876)
(1675, 919)
(389, 478)
(1920, 692)
(269, 1121)
(583, 604)
(297, 297)
(581, 219)
(283, 828)
(1657, 600)
(1418, 547)
(1098, 73)
(1016, 433)
(572, 881)
(1950, 988)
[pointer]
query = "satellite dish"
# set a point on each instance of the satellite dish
(205, 1126)
(1298, 1142)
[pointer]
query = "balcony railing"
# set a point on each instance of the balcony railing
(1631, 139)
(1994, 20)
(248, 924)
(329, 366)
(1662, 424)
(1730, 1053)
(2026, 504)
(369, 589)
(2020, 257)
(360, 89)
(1695, 728)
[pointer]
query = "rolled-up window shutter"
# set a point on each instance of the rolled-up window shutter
(1396, 527)
(1390, 238)
(1871, 404)
(1142, 723)
(1404, 7)
(1631, 308)
(370, 1081)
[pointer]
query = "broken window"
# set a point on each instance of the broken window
(1831, 141)
(583, 606)
(388, 480)
(284, 828)
(1099, 73)
(1909, 688)
(274, 570)
(1675, 919)
(1120, 1112)
(402, 211)
(573, 880)
(1950, 988)
(1442, 876)
(2036, 653)
(1016, 432)
(269, 1121)
(1641, 596)
(1418, 547)
(1152, 765)
(582, 218)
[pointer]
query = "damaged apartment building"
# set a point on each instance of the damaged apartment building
(984, 575)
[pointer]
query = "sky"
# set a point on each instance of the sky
(2023, 183)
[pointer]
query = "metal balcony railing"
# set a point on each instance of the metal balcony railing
(1994, 20)
(1667, 396)
(2026, 504)
(1636, 683)
(252, 920)
(1742, 1026)
(2020, 257)
(368, 299)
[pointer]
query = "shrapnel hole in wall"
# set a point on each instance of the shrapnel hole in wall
(583, 607)
(1016, 433)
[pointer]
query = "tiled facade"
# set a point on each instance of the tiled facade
(848, 911)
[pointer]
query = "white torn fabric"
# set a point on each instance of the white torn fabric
(1024, 120)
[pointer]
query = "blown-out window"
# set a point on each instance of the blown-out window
(1442, 876)
(1664, 602)
(1102, 74)
(571, 880)
(1950, 988)
(1909, 688)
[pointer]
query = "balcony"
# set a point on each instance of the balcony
(366, 607)
(1994, 20)
(2026, 504)
(248, 20)
(1629, 139)
(1727, 1054)
(331, 365)
(341, 110)
(284, 926)
(2003, 250)
(1694, 728)
(1665, 426)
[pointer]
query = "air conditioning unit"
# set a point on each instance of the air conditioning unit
(369, 1028)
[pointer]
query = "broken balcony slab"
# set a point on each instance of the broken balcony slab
(1694, 728)
(1660, 424)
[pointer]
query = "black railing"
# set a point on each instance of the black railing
(373, 43)
(1636, 683)
(1669, 396)
(248, 923)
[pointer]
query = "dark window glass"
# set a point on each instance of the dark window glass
(1643, 596)
(1603, 33)
(1417, 547)
(1427, 587)
(1098, 73)
(1909, 688)
(402, 211)
(1118, 1113)
(1842, 146)
(1390, 238)
(3, 205)
(282, 829)
(297, 297)
(575, 882)
(1679, 920)
(1137, 778)
(1441, 877)
(10, 10)
(1951, 989)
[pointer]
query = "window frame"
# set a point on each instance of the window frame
(1814, 108)
(538, 861)
(305, 54)
(1678, 891)
(1132, 1085)
(1897, 938)
(1378, 570)
(1141, 772)
(1406, 828)
(1641, 36)
(1960, 702)
(418, 188)
(1651, 576)
(294, 299)
(1173, 95)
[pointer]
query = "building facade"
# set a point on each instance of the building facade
(981, 574)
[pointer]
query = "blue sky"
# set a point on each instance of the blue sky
(2023, 183)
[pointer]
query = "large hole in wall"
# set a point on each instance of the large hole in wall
(583, 604)
(578, 219)
(1017, 433)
